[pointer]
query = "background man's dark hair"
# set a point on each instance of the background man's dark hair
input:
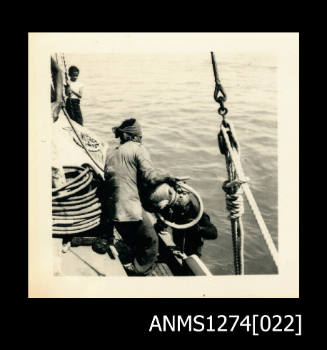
(127, 122)
(73, 69)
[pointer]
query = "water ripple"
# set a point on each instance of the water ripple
(172, 97)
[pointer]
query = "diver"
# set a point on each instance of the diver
(181, 207)
(74, 92)
(129, 174)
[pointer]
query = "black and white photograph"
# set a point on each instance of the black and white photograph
(163, 165)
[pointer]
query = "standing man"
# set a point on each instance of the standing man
(128, 171)
(74, 92)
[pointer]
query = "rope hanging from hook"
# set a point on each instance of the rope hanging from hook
(234, 204)
(232, 186)
(229, 147)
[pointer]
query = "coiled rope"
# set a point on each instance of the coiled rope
(81, 142)
(76, 206)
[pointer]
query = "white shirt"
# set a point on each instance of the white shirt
(77, 87)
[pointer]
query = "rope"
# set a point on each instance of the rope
(83, 197)
(81, 142)
(88, 264)
(78, 223)
(73, 207)
(87, 180)
(234, 203)
(76, 229)
(66, 73)
(70, 212)
(234, 200)
(234, 155)
(78, 137)
(76, 207)
(71, 182)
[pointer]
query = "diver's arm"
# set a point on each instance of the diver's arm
(206, 229)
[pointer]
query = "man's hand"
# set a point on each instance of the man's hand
(159, 226)
(171, 181)
(182, 178)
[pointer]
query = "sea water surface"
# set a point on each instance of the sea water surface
(172, 97)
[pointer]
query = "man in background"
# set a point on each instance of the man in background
(74, 92)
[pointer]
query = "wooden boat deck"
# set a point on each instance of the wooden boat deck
(83, 261)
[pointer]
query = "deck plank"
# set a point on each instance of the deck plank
(161, 269)
(83, 261)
